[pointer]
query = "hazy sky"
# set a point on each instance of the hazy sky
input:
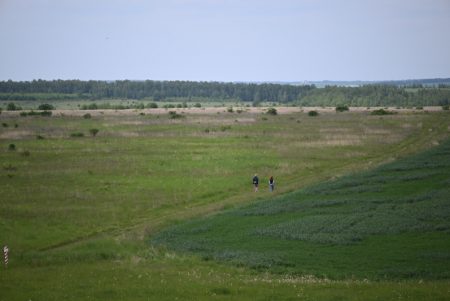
(224, 40)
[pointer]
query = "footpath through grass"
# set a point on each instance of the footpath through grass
(389, 223)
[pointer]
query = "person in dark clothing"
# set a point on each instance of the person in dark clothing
(271, 183)
(255, 182)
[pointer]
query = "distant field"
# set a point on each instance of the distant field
(77, 211)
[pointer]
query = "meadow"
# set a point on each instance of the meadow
(388, 223)
(78, 211)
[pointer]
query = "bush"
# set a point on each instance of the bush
(93, 132)
(33, 113)
(445, 108)
(381, 112)
(87, 116)
(272, 111)
(419, 108)
(12, 147)
(198, 105)
(313, 113)
(39, 137)
(175, 115)
(25, 153)
(5, 125)
(46, 113)
(230, 110)
(152, 105)
(77, 134)
(46, 107)
(342, 108)
(13, 107)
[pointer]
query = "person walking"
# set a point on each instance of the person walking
(271, 184)
(255, 182)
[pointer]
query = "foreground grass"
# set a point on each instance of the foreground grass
(391, 222)
(76, 212)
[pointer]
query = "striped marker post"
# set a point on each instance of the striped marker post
(5, 252)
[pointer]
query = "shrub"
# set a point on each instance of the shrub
(25, 153)
(445, 108)
(87, 116)
(381, 112)
(12, 147)
(46, 107)
(342, 108)
(175, 115)
(33, 113)
(92, 106)
(230, 109)
(272, 111)
(5, 125)
(93, 132)
(39, 137)
(1, 110)
(13, 107)
(198, 105)
(152, 105)
(77, 134)
(223, 128)
(313, 113)
(419, 108)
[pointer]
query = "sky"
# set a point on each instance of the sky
(224, 40)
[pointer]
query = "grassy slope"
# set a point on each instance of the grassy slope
(392, 222)
(75, 211)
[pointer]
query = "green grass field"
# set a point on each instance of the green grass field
(389, 223)
(77, 212)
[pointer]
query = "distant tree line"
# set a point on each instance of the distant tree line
(304, 95)
(377, 95)
(157, 90)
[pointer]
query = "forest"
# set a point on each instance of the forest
(377, 94)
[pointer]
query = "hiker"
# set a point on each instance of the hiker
(255, 182)
(271, 183)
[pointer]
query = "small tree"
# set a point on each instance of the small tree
(13, 107)
(272, 111)
(342, 108)
(93, 132)
(313, 113)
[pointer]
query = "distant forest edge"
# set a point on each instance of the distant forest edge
(417, 93)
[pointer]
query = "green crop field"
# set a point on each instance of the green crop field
(78, 211)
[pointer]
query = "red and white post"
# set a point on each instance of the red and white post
(5, 252)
